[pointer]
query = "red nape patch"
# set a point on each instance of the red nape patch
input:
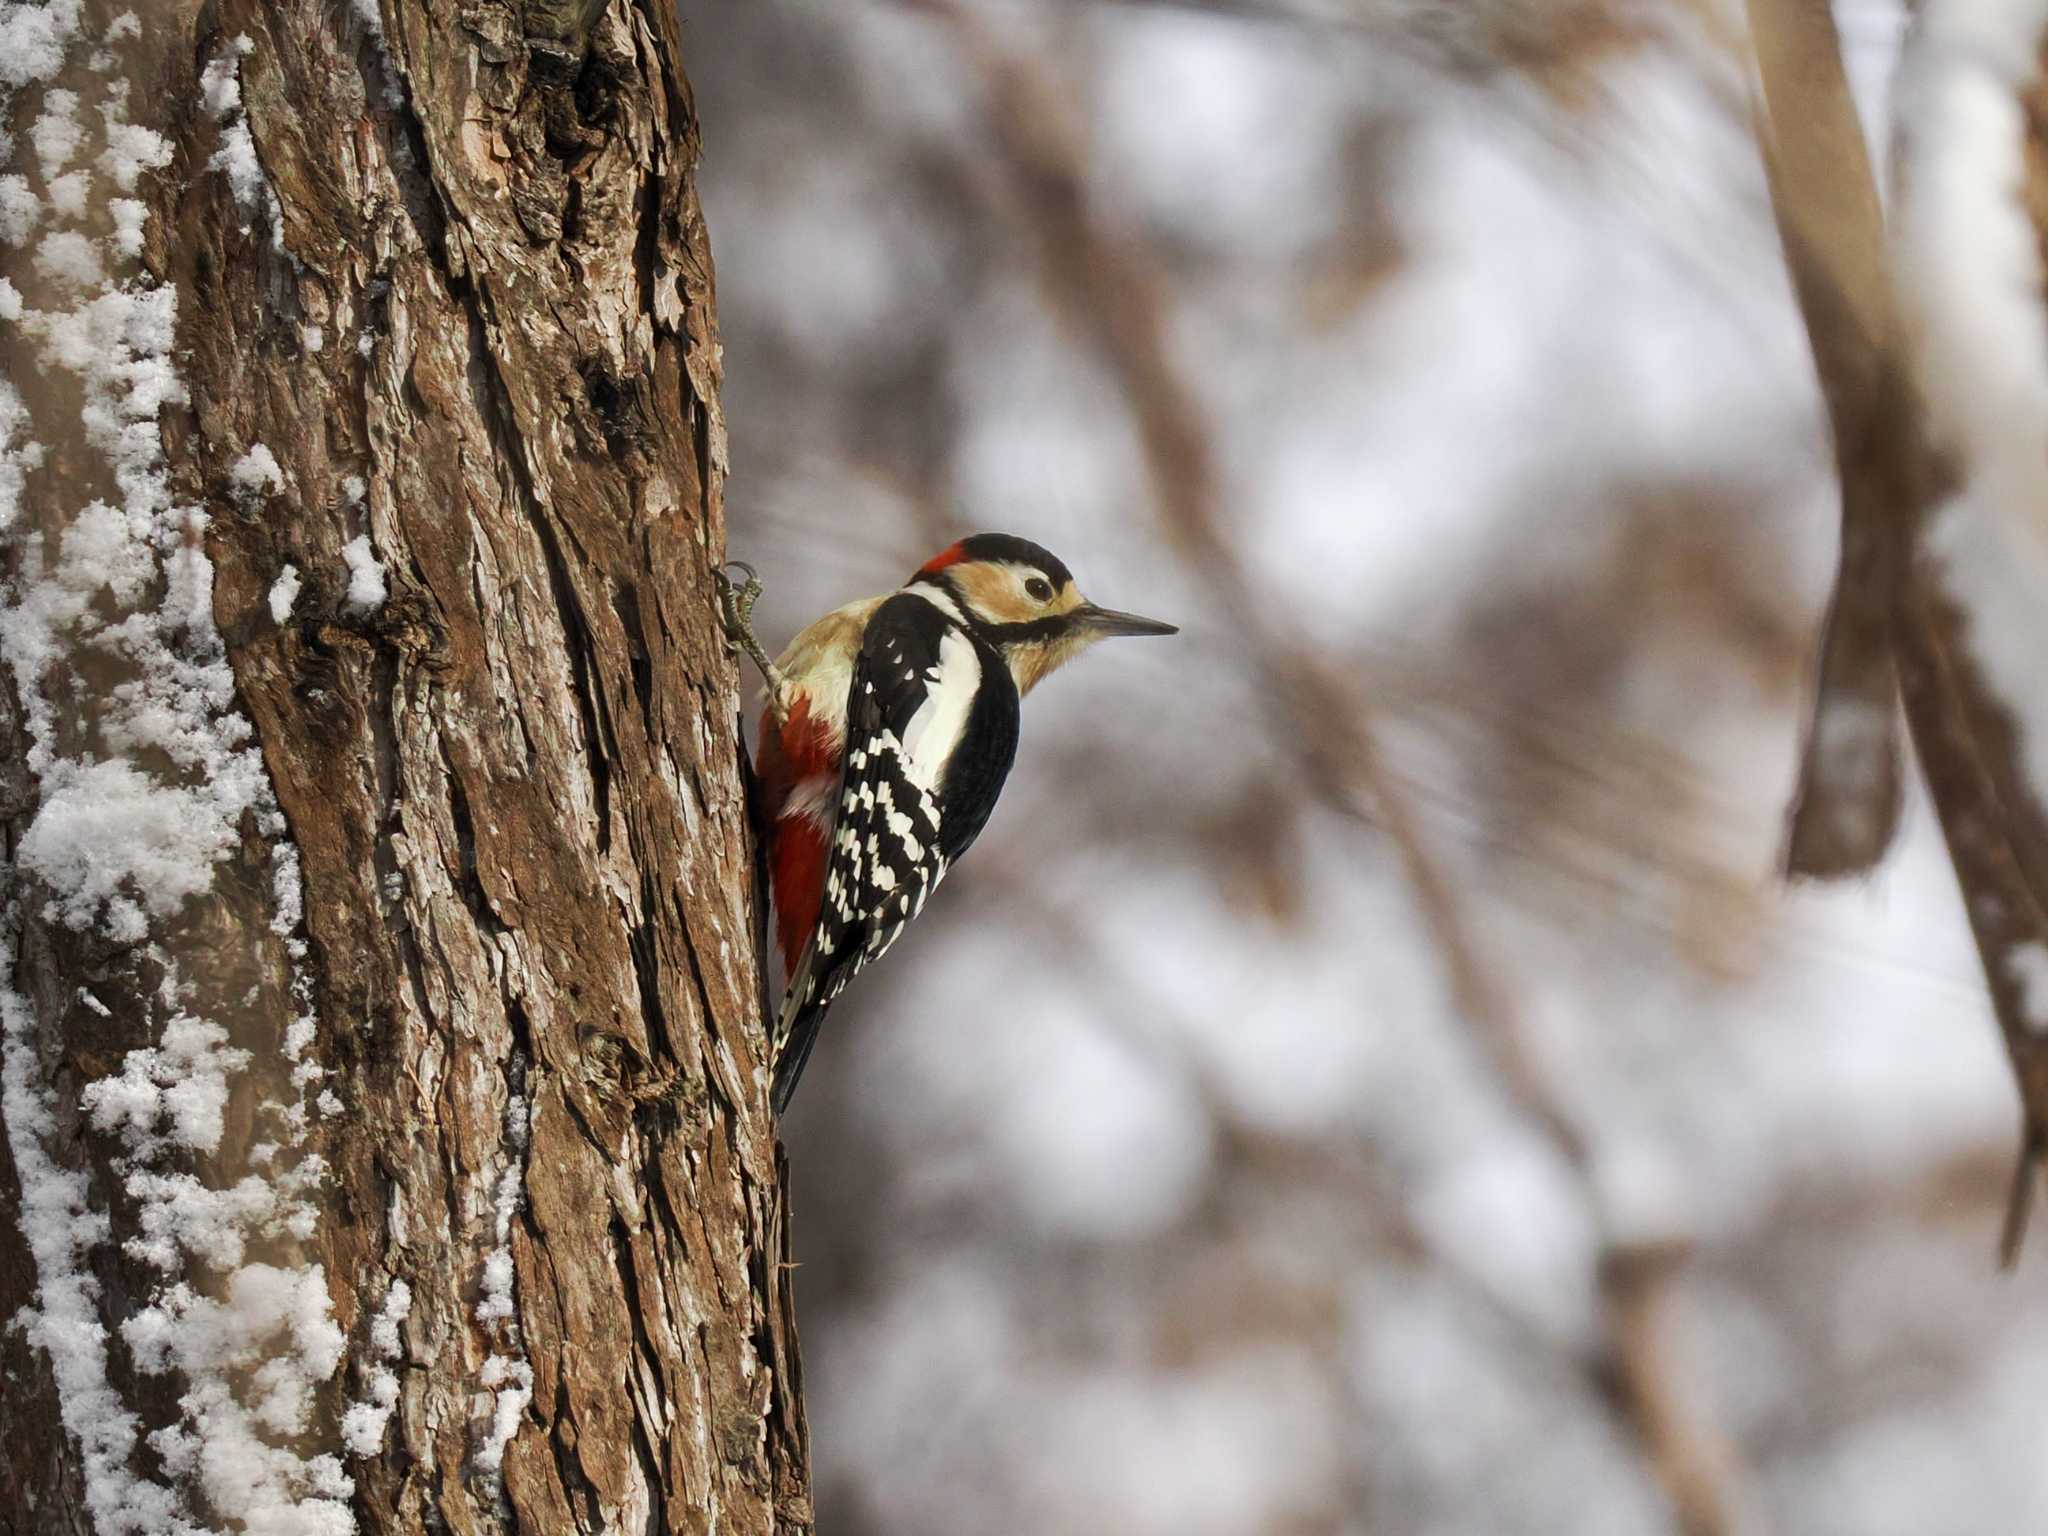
(952, 554)
(797, 869)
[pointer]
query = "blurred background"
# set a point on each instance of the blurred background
(1370, 1077)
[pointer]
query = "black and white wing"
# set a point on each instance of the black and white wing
(931, 730)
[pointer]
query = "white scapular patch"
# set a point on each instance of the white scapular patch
(935, 730)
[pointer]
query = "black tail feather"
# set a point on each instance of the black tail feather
(796, 1050)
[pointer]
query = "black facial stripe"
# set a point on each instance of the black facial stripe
(1050, 627)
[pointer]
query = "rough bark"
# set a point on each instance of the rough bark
(483, 291)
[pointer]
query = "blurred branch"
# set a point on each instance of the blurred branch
(1831, 223)
(1888, 615)
(1695, 1459)
(1116, 297)
(1968, 738)
(1970, 756)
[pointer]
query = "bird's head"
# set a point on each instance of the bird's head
(1023, 600)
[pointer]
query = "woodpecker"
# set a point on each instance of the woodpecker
(890, 727)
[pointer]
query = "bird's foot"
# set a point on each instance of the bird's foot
(736, 610)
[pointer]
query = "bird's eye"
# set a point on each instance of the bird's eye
(1039, 588)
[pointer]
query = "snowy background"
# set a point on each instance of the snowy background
(1155, 1183)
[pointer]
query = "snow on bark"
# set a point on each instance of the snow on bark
(220, 89)
(363, 1425)
(507, 1375)
(146, 785)
(366, 586)
(61, 1231)
(20, 209)
(283, 593)
(17, 456)
(256, 473)
(33, 40)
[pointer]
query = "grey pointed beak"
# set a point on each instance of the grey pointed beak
(1107, 622)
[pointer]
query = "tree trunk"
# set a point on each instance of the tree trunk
(385, 1091)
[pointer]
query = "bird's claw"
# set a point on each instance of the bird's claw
(736, 610)
(736, 604)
